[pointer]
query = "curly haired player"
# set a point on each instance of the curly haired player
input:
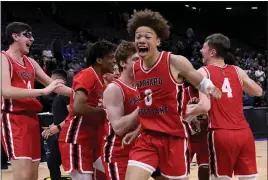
(163, 141)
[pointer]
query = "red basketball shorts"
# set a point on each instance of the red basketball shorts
(76, 157)
(170, 153)
(21, 137)
(116, 170)
(201, 151)
(232, 151)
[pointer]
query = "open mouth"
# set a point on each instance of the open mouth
(143, 51)
(28, 45)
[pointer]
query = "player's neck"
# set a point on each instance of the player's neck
(150, 61)
(15, 53)
(217, 62)
(127, 79)
(98, 70)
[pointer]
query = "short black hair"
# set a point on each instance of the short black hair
(61, 73)
(99, 49)
(16, 27)
(219, 42)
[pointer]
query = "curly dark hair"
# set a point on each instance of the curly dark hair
(99, 49)
(150, 19)
(123, 51)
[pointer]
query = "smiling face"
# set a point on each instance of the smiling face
(146, 41)
(24, 40)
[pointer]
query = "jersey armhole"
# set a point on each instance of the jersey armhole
(169, 70)
(10, 64)
(122, 91)
(208, 74)
(240, 80)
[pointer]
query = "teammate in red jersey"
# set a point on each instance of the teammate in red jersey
(163, 141)
(80, 132)
(231, 142)
(120, 100)
(20, 124)
(197, 126)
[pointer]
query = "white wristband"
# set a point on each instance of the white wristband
(204, 84)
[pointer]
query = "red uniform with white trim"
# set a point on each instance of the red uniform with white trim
(77, 140)
(163, 141)
(231, 142)
(115, 158)
(198, 141)
(20, 123)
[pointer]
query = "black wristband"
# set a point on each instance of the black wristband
(59, 127)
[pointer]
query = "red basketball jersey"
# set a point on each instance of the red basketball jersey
(22, 76)
(227, 112)
(188, 94)
(83, 130)
(158, 106)
(112, 142)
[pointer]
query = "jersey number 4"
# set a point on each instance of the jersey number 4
(148, 99)
(226, 88)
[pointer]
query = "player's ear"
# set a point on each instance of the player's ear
(99, 60)
(122, 64)
(158, 42)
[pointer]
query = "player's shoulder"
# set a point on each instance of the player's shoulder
(113, 89)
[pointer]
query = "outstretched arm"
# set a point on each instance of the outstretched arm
(249, 86)
(185, 69)
(44, 79)
(113, 103)
(9, 91)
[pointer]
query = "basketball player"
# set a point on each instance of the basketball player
(158, 74)
(79, 133)
(197, 128)
(120, 101)
(231, 142)
(20, 124)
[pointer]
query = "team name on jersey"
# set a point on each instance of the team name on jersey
(134, 101)
(153, 111)
(150, 82)
(25, 75)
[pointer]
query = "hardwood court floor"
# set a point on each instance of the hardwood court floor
(261, 155)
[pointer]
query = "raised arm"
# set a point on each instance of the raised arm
(44, 79)
(113, 103)
(249, 86)
(9, 91)
(185, 69)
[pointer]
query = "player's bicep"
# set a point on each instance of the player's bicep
(40, 75)
(185, 69)
(249, 86)
(80, 98)
(5, 73)
(113, 103)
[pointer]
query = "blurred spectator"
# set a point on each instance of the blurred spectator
(75, 66)
(56, 47)
(47, 52)
(68, 52)
(260, 75)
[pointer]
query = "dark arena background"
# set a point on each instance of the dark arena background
(63, 31)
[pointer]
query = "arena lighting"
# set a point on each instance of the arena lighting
(228, 8)
(186, 5)
(193, 7)
(254, 7)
